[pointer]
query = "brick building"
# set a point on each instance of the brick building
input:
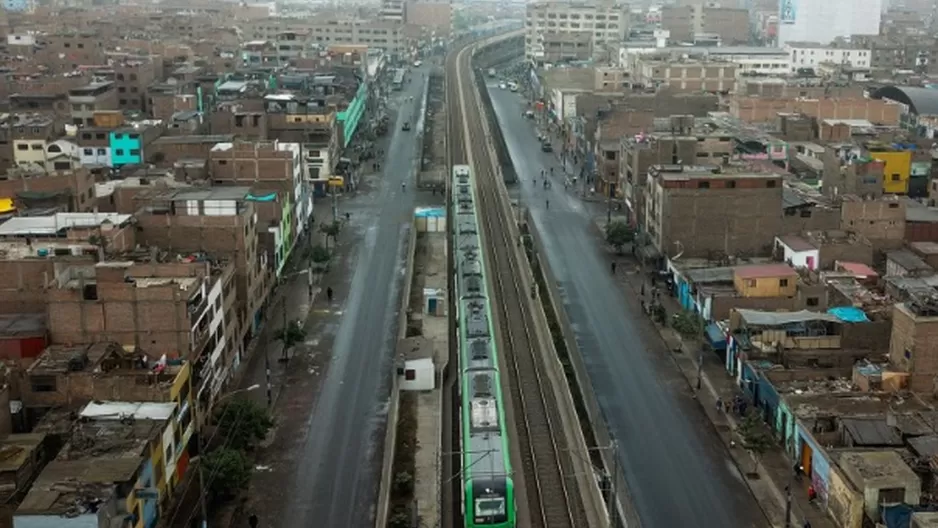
(65, 52)
(62, 191)
(266, 166)
(167, 150)
(705, 211)
(693, 23)
(881, 221)
(91, 98)
(765, 109)
(913, 348)
(217, 221)
(132, 76)
(685, 76)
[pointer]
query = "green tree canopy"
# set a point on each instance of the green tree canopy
(618, 234)
(228, 472)
(243, 423)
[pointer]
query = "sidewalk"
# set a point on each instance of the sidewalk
(295, 383)
(767, 477)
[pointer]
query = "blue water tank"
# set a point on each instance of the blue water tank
(43, 252)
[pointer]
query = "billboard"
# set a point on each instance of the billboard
(787, 12)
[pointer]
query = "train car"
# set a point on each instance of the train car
(488, 494)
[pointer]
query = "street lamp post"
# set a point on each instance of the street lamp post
(203, 503)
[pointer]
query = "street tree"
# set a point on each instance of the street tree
(290, 336)
(228, 470)
(320, 257)
(243, 423)
(331, 230)
(618, 234)
(755, 436)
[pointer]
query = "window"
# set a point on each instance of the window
(121, 89)
(703, 185)
(751, 283)
(102, 152)
(771, 184)
(731, 184)
(133, 76)
(134, 152)
(43, 383)
(88, 152)
(783, 283)
(119, 152)
(812, 301)
(895, 177)
(410, 374)
(223, 162)
(36, 146)
(123, 101)
(118, 136)
(22, 146)
(99, 135)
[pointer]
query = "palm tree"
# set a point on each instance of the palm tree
(290, 335)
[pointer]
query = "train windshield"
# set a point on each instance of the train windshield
(490, 509)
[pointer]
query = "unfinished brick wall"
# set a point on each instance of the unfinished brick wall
(913, 348)
(713, 221)
(22, 285)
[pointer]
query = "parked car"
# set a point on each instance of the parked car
(546, 146)
(406, 126)
(503, 86)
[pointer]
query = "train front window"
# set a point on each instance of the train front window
(490, 509)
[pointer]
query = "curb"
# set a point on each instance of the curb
(691, 380)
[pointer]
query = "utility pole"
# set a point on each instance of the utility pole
(700, 358)
(608, 203)
(614, 512)
(791, 482)
(335, 203)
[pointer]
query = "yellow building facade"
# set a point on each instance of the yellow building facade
(897, 171)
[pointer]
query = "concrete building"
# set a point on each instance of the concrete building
(913, 347)
(810, 55)
(810, 20)
(684, 75)
(606, 24)
(749, 60)
(704, 211)
(767, 109)
(703, 23)
(87, 100)
(385, 34)
(32, 135)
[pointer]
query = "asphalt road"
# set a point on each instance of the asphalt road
(677, 470)
(336, 481)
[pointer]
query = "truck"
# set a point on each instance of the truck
(491, 72)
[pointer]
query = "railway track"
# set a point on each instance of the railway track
(550, 487)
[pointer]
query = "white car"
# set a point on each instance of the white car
(418, 64)
(503, 86)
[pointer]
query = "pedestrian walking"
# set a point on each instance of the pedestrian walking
(812, 494)
(613, 268)
(719, 405)
(253, 521)
(329, 293)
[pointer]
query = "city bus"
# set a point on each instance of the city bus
(398, 82)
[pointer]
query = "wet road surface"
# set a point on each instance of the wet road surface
(677, 471)
(336, 481)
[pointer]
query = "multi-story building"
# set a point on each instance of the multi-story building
(887, 53)
(87, 100)
(809, 55)
(749, 60)
(605, 24)
(266, 166)
(813, 21)
(32, 135)
(94, 147)
(684, 75)
(385, 34)
(393, 11)
(65, 52)
(700, 22)
(218, 221)
(132, 76)
(710, 210)
(127, 457)
(128, 144)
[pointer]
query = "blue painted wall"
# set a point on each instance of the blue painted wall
(126, 148)
(16, 5)
(151, 512)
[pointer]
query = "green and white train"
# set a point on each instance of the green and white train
(488, 494)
